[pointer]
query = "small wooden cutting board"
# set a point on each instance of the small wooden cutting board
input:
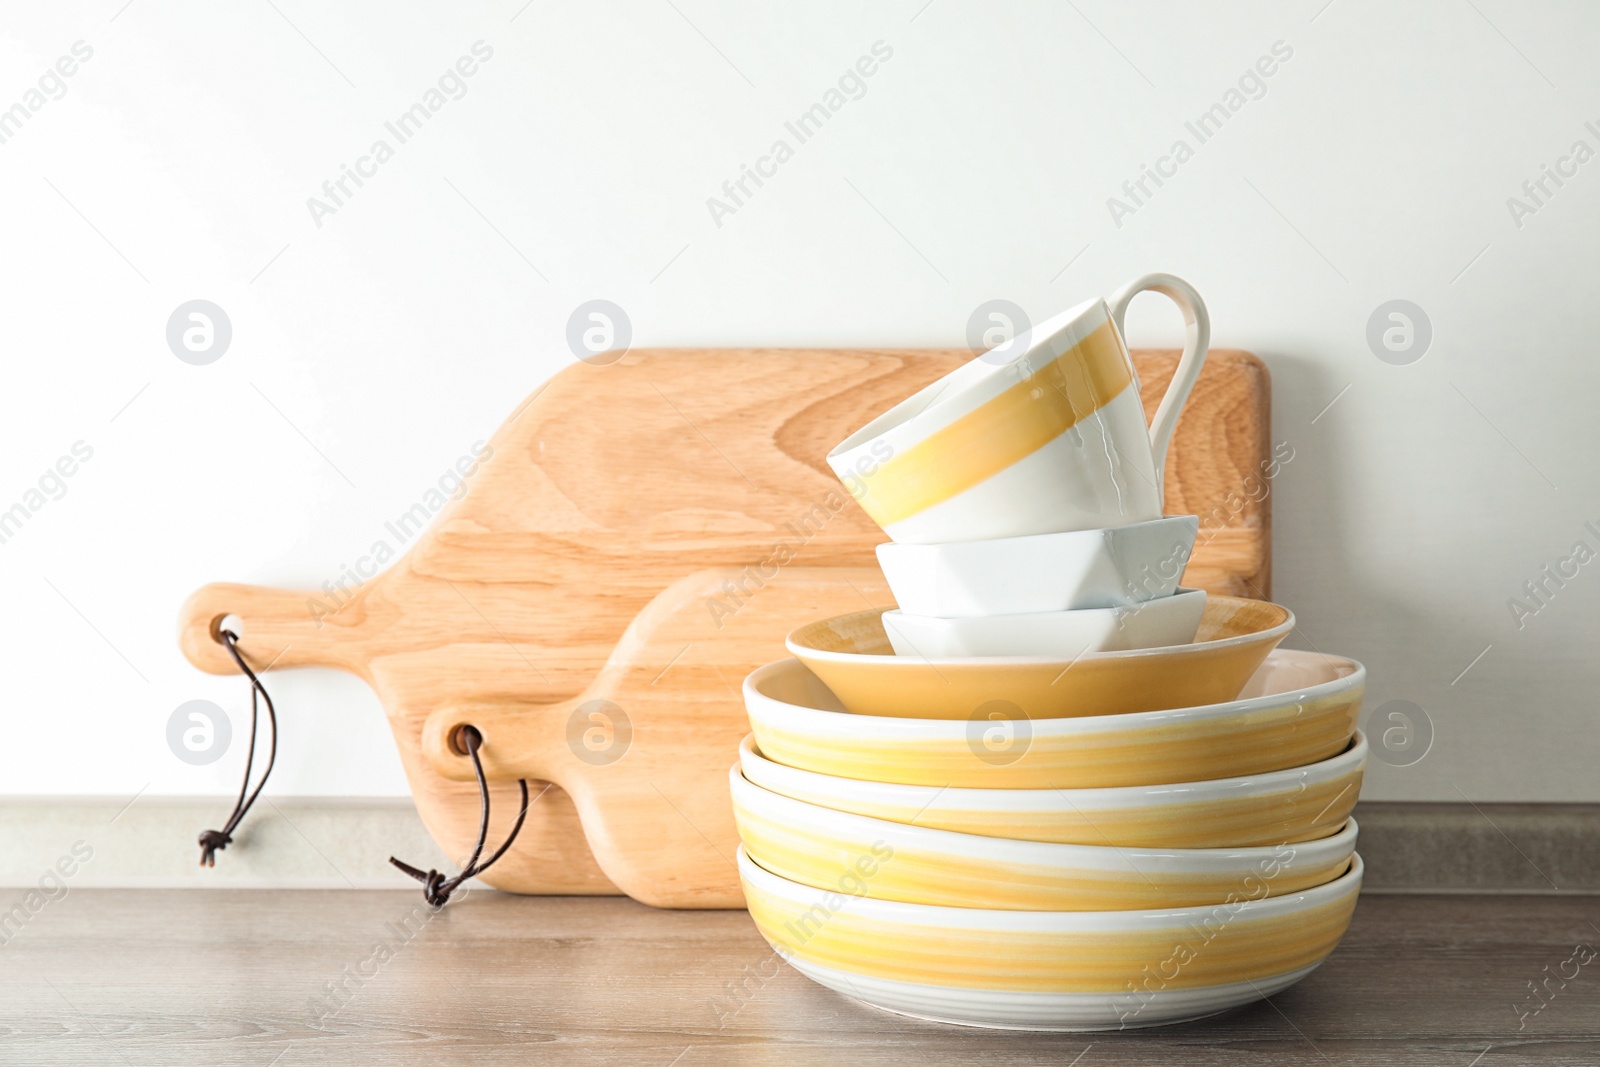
(604, 490)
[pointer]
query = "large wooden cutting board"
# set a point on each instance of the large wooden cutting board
(613, 483)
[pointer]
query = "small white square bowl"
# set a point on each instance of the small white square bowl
(1107, 568)
(1160, 623)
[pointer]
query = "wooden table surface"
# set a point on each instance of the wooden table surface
(108, 977)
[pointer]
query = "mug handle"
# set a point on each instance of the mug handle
(1197, 341)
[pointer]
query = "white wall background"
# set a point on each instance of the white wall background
(371, 352)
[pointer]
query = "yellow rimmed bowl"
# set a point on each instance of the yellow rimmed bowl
(817, 846)
(1049, 970)
(1298, 708)
(853, 657)
(1298, 804)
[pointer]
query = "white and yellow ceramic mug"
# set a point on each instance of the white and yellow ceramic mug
(1051, 440)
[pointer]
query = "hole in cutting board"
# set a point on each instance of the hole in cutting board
(458, 738)
(226, 622)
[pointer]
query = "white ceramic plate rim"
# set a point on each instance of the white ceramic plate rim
(1045, 856)
(848, 723)
(1022, 801)
(899, 913)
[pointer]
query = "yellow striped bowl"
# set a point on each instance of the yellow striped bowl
(1299, 804)
(1300, 707)
(815, 846)
(852, 655)
(1047, 970)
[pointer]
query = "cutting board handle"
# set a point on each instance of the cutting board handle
(277, 627)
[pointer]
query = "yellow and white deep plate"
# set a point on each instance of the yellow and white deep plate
(816, 846)
(1299, 804)
(852, 655)
(1040, 970)
(1298, 708)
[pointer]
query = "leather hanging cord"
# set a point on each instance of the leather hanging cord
(436, 888)
(214, 841)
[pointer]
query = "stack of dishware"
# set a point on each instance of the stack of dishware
(1051, 790)
(1022, 495)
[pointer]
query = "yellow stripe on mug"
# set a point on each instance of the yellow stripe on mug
(1020, 421)
(1052, 440)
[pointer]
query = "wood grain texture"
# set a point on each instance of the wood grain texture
(1220, 467)
(645, 750)
(608, 485)
(244, 978)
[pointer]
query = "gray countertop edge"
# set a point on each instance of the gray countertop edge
(345, 842)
